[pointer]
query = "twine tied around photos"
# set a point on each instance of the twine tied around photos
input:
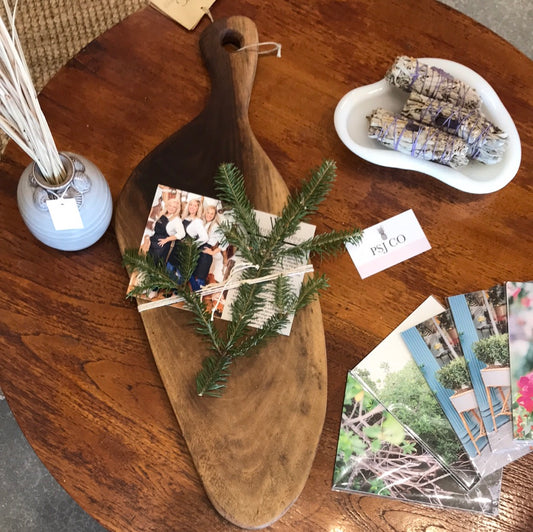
(306, 268)
(229, 284)
(234, 271)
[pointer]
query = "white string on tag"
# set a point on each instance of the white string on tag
(274, 47)
(57, 195)
(208, 13)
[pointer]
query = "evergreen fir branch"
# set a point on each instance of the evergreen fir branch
(151, 274)
(134, 260)
(246, 306)
(154, 275)
(309, 291)
(235, 235)
(187, 254)
(284, 297)
(239, 338)
(231, 190)
(205, 325)
(271, 328)
(323, 244)
(212, 378)
(231, 233)
(316, 188)
(298, 207)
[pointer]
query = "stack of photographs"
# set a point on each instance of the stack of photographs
(392, 376)
(452, 385)
(377, 455)
(481, 321)
(178, 214)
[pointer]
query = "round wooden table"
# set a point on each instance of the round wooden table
(76, 367)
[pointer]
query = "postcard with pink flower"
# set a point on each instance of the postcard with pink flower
(520, 312)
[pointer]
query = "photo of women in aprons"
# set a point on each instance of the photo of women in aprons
(168, 228)
(212, 251)
(193, 226)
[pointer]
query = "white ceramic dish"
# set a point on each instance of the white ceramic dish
(477, 178)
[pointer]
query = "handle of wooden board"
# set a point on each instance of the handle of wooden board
(229, 68)
(230, 49)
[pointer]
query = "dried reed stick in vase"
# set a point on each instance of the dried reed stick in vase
(423, 142)
(486, 142)
(410, 74)
(21, 116)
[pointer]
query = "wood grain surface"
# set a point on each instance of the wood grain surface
(270, 418)
(76, 365)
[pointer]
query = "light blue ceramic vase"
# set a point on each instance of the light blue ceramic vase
(86, 184)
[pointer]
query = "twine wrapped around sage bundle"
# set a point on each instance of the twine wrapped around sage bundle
(486, 142)
(409, 74)
(417, 140)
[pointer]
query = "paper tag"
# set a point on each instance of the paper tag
(186, 12)
(65, 214)
(388, 243)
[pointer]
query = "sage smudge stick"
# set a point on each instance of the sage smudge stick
(486, 142)
(409, 74)
(417, 140)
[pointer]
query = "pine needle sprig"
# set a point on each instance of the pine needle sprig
(323, 244)
(313, 191)
(310, 290)
(265, 254)
(248, 303)
(151, 274)
(212, 378)
(284, 297)
(270, 329)
(187, 254)
(231, 191)
(154, 275)
(205, 326)
(247, 343)
(234, 235)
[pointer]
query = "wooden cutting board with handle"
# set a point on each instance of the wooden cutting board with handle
(254, 447)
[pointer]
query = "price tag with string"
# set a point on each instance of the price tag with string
(65, 214)
(188, 13)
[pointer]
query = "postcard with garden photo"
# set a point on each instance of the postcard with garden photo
(392, 376)
(481, 321)
(520, 312)
(376, 455)
(435, 347)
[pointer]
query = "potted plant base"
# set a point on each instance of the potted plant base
(496, 376)
(464, 400)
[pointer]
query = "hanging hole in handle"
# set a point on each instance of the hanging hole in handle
(232, 41)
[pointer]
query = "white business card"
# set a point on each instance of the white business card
(388, 243)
